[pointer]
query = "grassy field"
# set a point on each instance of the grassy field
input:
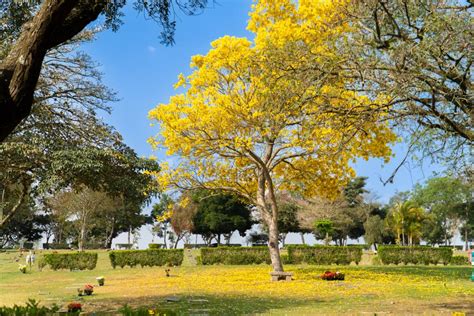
(236, 290)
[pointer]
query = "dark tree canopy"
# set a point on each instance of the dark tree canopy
(220, 213)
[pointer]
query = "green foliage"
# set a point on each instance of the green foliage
(71, 261)
(288, 219)
(448, 200)
(415, 255)
(354, 190)
(235, 255)
(154, 246)
(56, 245)
(324, 229)
(220, 213)
(31, 308)
(459, 261)
(324, 254)
(374, 230)
(146, 258)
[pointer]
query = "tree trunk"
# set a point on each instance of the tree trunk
(218, 239)
(302, 238)
(108, 244)
(283, 238)
(24, 193)
(178, 238)
(273, 245)
(466, 232)
(164, 238)
(266, 192)
(466, 242)
(82, 235)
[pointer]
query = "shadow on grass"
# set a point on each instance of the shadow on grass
(443, 272)
(464, 306)
(199, 304)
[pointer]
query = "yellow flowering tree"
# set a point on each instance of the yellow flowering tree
(273, 114)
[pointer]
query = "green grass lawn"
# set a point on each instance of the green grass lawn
(236, 290)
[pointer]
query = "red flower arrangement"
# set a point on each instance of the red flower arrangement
(74, 307)
(88, 289)
(331, 276)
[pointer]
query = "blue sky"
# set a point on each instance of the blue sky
(142, 72)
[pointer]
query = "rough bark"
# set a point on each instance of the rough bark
(56, 22)
(82, 234)
(23, 194)
(273, 245)
(269, 214)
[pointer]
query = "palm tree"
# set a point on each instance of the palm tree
(405, 219)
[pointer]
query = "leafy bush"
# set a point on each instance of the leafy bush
(31, 308)
(56, 246)
(154, 246)
(71, 261)
(414, 255)
(194, 246)
(362, 246)
(146, 258)
(459, 261)
(235, 255)
(322, 255)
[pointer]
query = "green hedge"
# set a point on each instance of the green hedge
(415, 255)
(154, 246)
(235, 255)
(322, 255)
(56, 246)
(71, 261)
(459, 261)
(146, 258)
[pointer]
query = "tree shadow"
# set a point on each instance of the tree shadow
(198, 304)
(442, 272)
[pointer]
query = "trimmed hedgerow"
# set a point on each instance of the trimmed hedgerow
(322, 255)
(71, 261)
(415, 255)
(235, 255)
(154, 246)
(459, 261)
(146, 258)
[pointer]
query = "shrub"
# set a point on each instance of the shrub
(194, 246)
(56, 246)
(146, 258)
(235, 255)
(71, 261)
(322, 255)
(31, 308)
(154, 246)
(459, 261)
(414, 255)
(28, 245)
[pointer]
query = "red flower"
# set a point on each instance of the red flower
(328, 275)
(74, 307)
